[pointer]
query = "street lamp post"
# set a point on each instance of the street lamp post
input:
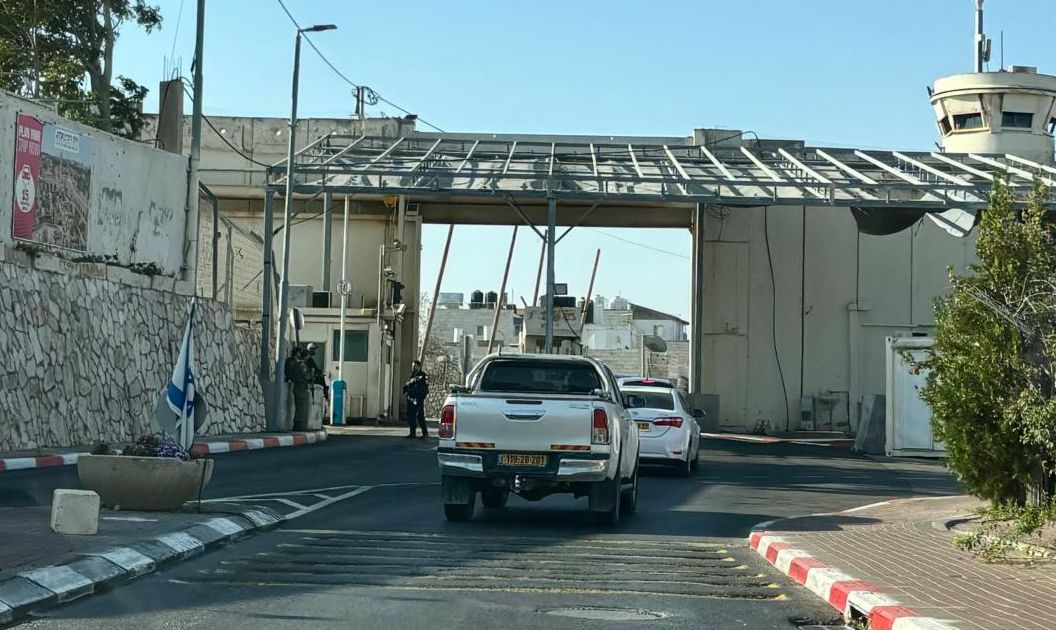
(279, 393)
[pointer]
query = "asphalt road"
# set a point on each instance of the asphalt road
(378, 554)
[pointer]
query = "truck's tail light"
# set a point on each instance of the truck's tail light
(668, 422)
(447, 422)
(600, 432)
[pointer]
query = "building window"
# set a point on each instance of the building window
(1052, 126)
(967, 121)
(944, 125)
(658, 330)
(1017, 120)
(480, 331)
(355, 346)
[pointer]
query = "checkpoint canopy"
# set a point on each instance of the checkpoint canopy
(650, 182)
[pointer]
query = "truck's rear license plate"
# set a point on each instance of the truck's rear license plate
(522, 460)
(644, 426)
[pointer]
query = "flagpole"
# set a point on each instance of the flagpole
(186, 423)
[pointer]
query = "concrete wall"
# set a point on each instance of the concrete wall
(835, 294)
(468, 320)
(137, 197)
(88, 348)
(672, 364)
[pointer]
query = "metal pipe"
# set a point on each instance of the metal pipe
(539, 272)
(268, 275)
(980, 38)
(381, 282)
(328, 220)
(344, 290)
(215, 203)
(193, 220)
(551, 229)
(590, 293)
(436, 294)
(696, 361)
(230, 279)
(502, 291)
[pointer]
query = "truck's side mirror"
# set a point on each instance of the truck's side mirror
(457, 389)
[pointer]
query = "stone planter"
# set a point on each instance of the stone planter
(143, 483)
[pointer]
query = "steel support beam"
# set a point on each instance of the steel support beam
(551, 243)
(328, 226)
(696, 342)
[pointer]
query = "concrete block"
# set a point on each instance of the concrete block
(184, 287)
(163, 283)
(91, 270)
(49, 262)
(118, 274)
(75, 512)
(138, 280)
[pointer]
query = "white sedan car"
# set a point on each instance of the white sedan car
(667, 426)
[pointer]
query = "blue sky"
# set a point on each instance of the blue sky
(832, 72)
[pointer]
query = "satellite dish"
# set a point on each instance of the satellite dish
(654, 343)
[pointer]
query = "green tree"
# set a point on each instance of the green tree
(63, 51)
(990, 385)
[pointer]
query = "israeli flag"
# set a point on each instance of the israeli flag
(180, 393)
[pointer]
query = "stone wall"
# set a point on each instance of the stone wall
(87, 349)
(628, 362)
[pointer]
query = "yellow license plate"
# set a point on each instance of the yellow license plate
(644, 426)
(522, 460)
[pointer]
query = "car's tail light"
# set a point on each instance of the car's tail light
(600, 432)
(447, 422)
(668, 422)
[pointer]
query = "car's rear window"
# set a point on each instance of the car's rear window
(653, 400)
(540, 377)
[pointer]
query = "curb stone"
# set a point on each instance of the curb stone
(853, 598)
(38, 588)
(199, 448)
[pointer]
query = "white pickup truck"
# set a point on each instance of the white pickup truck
(536, 425)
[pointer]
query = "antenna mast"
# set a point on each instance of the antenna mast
(982, 44)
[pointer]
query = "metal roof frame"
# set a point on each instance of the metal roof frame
(765, 172)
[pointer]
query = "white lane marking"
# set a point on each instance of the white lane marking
(61, 580)
(865, 507)
(320, 505)
(128, 559)
(287, 493)
(284, 501)
(130, 519)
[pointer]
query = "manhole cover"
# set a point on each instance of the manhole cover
(607, 614)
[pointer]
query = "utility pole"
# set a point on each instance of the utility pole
(502, 292)
(193, 211)
(590, 294)
(551, 228)
(284, 285)
(436, 293)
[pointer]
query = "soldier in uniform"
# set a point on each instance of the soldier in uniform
(416, 389)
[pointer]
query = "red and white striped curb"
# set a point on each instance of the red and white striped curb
(853, 598)
(199, 448)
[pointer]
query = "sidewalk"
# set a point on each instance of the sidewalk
(20, 460)
(39, 567)
(894, 563)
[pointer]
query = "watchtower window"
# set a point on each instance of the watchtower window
(944, 124)
(967, 121)
(1052, 126)
(1017, 120)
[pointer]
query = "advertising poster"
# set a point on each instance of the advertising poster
(29, 133)
(53, 182)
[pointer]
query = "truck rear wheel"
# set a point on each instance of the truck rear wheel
(495, 498)
(459, 512)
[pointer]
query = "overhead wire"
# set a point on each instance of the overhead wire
(642, 245)
(346, 79)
